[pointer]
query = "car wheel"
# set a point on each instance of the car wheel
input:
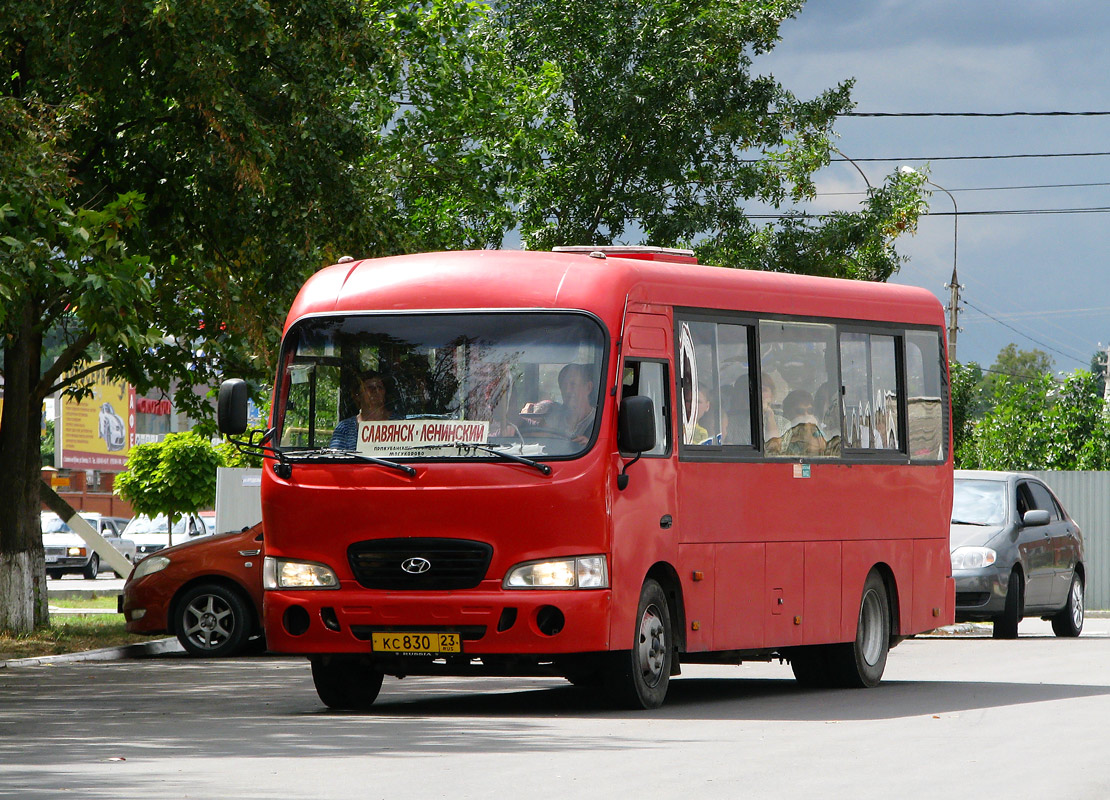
(212, 621)
(639, 677)
(860, 664)
(92, 569)
(345, 684)
(1006, 626)
(1068, 621)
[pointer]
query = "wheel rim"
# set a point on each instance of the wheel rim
(651, 649)
(209, 621)
(871, 625)
(1077, 603)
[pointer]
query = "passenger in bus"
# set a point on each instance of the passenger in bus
(714, 425)
(772, 431)
(804, 436)
(371, 403)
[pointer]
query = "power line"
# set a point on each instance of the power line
(992, 213)
(992, 188)
(977, 158)
(976, 114)
(1027, 336)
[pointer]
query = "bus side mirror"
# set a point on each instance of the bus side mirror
(231, 409)
(636, 425)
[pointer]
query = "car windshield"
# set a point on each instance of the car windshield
(52, 523)
(441, 385)
(157, 525)
(979, 502)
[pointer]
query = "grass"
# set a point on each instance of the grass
(70, 633)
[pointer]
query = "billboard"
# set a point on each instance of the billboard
(97, 432)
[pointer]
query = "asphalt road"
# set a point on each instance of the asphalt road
(958, 716)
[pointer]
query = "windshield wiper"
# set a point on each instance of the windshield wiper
(331, 452)
(969, 522)
(505, 455)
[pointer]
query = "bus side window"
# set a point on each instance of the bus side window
(649, 379)
(925, 396)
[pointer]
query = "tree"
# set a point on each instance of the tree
(965, 379)
(1040, 424)
(659, 130)
(173, 477)
(161, 167)
(1015, 365)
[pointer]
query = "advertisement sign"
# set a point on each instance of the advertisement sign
(419, 437)
(99, 431)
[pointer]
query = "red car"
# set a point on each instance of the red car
(207, 592)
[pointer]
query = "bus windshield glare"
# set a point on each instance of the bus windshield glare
(441, 385)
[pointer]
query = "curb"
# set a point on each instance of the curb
(158, 647)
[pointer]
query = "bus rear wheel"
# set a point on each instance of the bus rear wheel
(639, 677)
(860, 664)
(345, 684)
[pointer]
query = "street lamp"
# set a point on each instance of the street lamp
(954, 284)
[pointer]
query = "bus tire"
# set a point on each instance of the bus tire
(345, 684)
(860, 664)
(639, 677)
(810, 666)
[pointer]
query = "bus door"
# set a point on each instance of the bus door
(643, 512)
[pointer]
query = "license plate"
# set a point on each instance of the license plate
(51, 559)
(411, 643)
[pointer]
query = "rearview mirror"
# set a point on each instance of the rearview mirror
(231, 409)
(636, 425)
(1038, 516)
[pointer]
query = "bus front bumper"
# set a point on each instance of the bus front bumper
(487, 621)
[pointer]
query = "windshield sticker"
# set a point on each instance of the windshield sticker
(418, 438)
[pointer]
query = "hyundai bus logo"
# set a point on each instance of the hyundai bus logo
(416, 566)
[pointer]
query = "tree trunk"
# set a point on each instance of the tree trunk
(23, 597)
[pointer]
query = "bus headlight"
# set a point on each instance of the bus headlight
(583, 572)
(278, 573)
(972, 557)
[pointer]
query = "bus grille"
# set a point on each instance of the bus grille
(419, 564)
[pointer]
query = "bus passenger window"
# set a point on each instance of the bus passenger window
(872, 411)
(649, 379)
(801, 410)
(925, 396)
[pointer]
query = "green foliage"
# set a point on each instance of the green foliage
(965, 380)
(232, 456)
(174, 476)
(1038, 424)
(1013, 364)
(659, 128)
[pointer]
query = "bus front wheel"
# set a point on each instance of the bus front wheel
(639, 677)
(345, 684)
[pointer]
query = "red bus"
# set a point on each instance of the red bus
(601, 463)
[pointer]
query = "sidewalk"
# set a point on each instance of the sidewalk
(153, 649)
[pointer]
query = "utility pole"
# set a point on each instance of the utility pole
(954, 312)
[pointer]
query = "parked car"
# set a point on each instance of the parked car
(1015, 553)
(151, 535)
(207, 592)
(66, 551)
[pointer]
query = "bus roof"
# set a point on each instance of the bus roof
(504, 279)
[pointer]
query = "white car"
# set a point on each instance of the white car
(65, 551)
(152, 535)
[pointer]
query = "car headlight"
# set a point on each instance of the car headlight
(148, 566)
(75, 551)
(278, 573)
(583, 572)
(973, 557)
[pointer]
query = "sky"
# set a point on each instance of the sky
(1040, 281)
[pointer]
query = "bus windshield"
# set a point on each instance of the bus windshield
(441, 385)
